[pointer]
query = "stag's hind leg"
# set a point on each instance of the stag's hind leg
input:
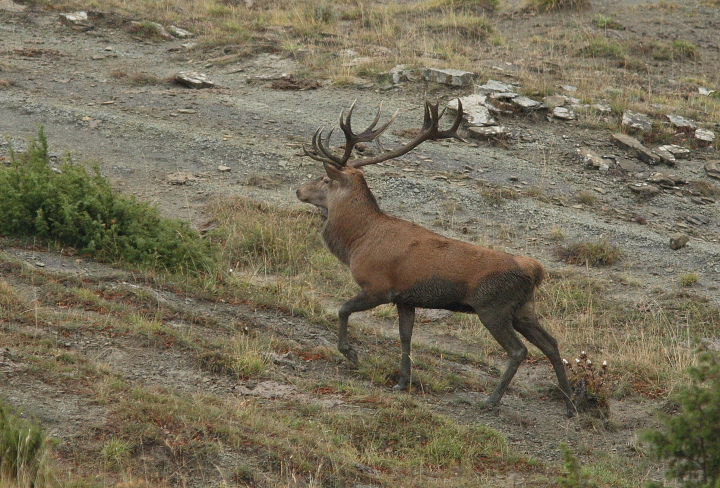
(526, 322)
(358, 303)
(500, 327)
(406, 319)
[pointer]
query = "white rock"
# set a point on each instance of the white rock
(494, 86)
(563, 114)
(636, 120)
(682, 123)
(475, 110)
(705, 135)
(74, 17)
(453, 77)
(180, 33)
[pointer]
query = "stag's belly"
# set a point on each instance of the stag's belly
(436, 293)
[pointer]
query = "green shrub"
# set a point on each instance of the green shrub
(690, 439)
(23, 451)
(76, 207)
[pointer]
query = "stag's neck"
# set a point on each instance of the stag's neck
(348, 221)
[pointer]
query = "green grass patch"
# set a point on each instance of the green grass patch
(73, 206)
(24, 451)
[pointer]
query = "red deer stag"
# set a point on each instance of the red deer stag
(396, 261)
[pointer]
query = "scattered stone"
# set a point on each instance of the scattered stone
(705, 136)
(39, 264)
(601, 107)
(678, 241)
(74, 18)
(527, 104)
(224, 169)
(180, 178)
(641, 152)
(475, 110)
(593, 161)
(681, 123)
(192, 79)
(563, 113)
(494, 86)
(712, 168)
(553, 101)
(665, 156)
(401, 73)
(569, 88)
(705, 91)
(293, 84)
(696, 219)
(491, 132)
(452, 77)
(644, 190)
(637, 121)
(678, 152)
(504, 95)
(161, 30)
(666, 181)
(151, 27)
(180, 33)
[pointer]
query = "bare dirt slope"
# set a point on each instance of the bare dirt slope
(76, 84)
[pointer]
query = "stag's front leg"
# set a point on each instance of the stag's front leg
(406, 319)
(358, 303)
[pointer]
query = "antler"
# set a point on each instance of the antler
(429, 131)
(322, 151)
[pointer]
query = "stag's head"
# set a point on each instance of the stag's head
(342, 174)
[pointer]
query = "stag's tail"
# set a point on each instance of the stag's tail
(533, 268)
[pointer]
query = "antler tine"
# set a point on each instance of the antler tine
(322, 153)
(428, 131)
(345, 121)
(369, 134)
(325, 148)
(452, 131)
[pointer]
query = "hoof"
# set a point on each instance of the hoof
(490, 405)
(401, 386)
(351, 354)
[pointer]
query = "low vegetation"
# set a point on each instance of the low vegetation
(690, 439)
(74, 208)
(555, 5)
(24, 452)
(590, 253)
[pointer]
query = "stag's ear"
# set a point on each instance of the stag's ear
(334, 172)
